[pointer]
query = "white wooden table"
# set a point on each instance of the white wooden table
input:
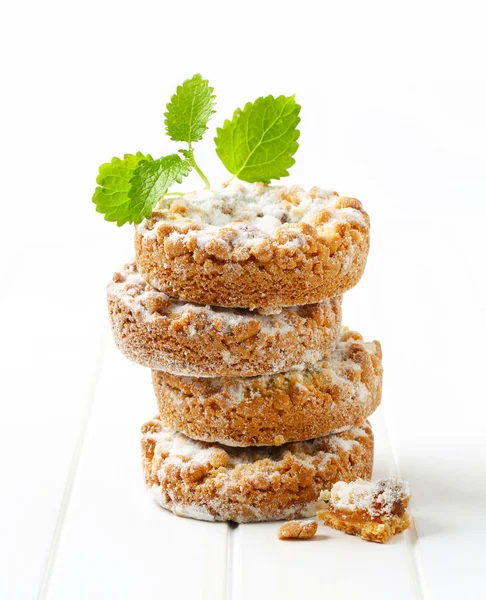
(75, 522)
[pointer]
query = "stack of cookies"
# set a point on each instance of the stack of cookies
(234, 302)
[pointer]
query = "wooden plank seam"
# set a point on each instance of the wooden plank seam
(411, 535)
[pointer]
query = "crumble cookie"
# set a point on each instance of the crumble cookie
(254, 246)
(306, 402)
(374, 511)
(217, 483)
(297, 530)
(187, 339)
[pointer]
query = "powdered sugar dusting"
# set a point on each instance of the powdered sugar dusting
(192, 511)
(201, 513)
(244, 215)
(377, 499)
(346, 445)
(131, 289)
(335, 367)
(214, 482)
(179, 449)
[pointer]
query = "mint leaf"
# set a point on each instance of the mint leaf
(111, 195)
(189, 110)
(259, 142)
(130, 187)
(150, 182)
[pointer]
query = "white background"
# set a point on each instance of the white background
(393, 99)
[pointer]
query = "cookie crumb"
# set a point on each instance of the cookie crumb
(373, 511)
(297, 530)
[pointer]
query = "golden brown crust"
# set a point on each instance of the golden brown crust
(186, 339)
(214, 482)
(297, 530)
(368, 530)
(301, 263)
(272, 410)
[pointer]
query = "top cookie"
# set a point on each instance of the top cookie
(254, 246)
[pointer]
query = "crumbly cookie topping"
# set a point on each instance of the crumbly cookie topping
(129, 287)
(245, 215)
(177, 449)
(344, 370)
(211, 481)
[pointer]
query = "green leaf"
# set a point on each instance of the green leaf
(111, 195)
(259, 142)
(189, 110)
(150, 182)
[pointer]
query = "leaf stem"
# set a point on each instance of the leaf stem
(174, 194)
(207, 185)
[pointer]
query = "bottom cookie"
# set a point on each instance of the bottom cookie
(212, 482)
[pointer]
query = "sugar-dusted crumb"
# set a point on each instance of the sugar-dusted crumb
(374, 511)
(297, 530)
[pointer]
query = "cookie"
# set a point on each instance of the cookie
(373, 511)
(216, 483)
(254, 246)
(297, 530)
(306, 402)
(188, 339)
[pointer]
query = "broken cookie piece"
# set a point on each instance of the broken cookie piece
(297, 530)
(374, 511)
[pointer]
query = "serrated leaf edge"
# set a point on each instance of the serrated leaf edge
(237, 115)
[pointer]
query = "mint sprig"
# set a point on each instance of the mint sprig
(257, 144)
